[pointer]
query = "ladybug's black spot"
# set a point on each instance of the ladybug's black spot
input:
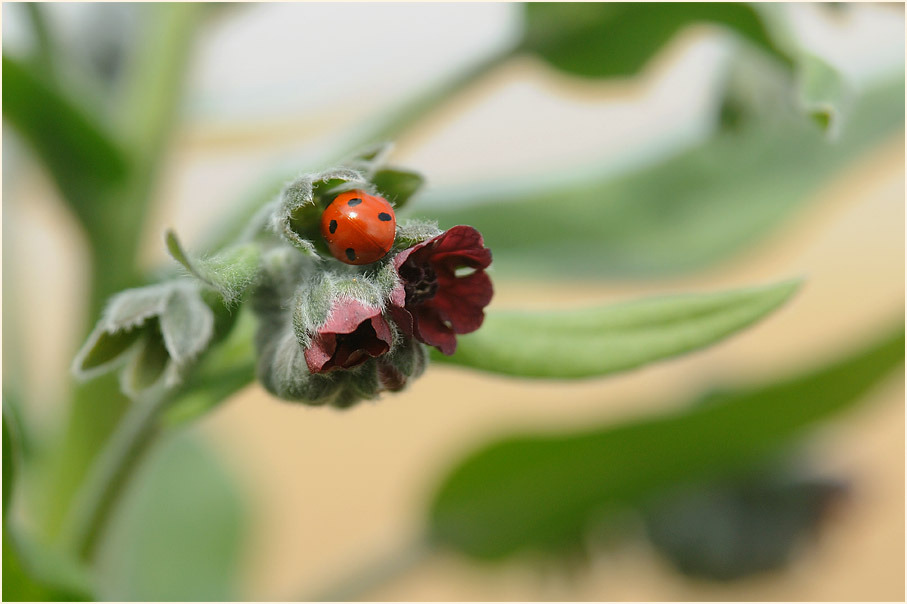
(384, 217)
(351, 253)
(333, 227)
(355, 201)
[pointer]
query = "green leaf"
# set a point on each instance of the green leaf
(103, 348)
(740, 525)
(187, 325)
(179, 531)
(81, 157)
(824, 94)
(230, 272)
(598, 341)
(120, 326)
(146, 366)
(297, 214)
(397, 185)
(540, 491)
(617, 39)
(691, 210)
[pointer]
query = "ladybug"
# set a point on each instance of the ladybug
(359, 228)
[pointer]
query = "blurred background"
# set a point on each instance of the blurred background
(696, 172)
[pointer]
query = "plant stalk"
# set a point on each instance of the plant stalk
(109, 476)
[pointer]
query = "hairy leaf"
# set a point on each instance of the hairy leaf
(597, 341)
(230, 272)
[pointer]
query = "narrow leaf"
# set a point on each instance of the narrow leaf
(231, 272)
(598, 341)
(101, 349)
(534, 492)
(81, 157)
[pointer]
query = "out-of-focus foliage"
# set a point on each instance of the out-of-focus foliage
(544, 491)
(81, 157)
(690, 211)
(598, 341)
(616, 39)
(741, 525)
(179, 533)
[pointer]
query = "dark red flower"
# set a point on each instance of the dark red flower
(352, 334)
(438, 303)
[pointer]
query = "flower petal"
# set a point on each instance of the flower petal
(431, 329)
(461, 300)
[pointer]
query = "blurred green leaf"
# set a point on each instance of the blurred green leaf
(230, 272)
(597, 341)
(179, 531)
(692, 210)
(82, 159)
(824, 94)
(541, 491)
(611, 39)
(397, 185)
(739, 526)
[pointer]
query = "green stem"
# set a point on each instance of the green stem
(109, 476)
(368, 578)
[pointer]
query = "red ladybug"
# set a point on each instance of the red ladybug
(359, 228)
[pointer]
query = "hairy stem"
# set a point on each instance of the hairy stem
(109, 476)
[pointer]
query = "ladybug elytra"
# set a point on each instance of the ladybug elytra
(359, 228)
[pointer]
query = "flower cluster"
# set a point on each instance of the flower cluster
(334, 327)
(335, 333)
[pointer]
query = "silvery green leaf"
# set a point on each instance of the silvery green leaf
(412, 232)
(120, 326)
(298, 215)
(101, 351)
(597, 341)
(187, 324)
(132, 307)
(146, 366)
(230, 272)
